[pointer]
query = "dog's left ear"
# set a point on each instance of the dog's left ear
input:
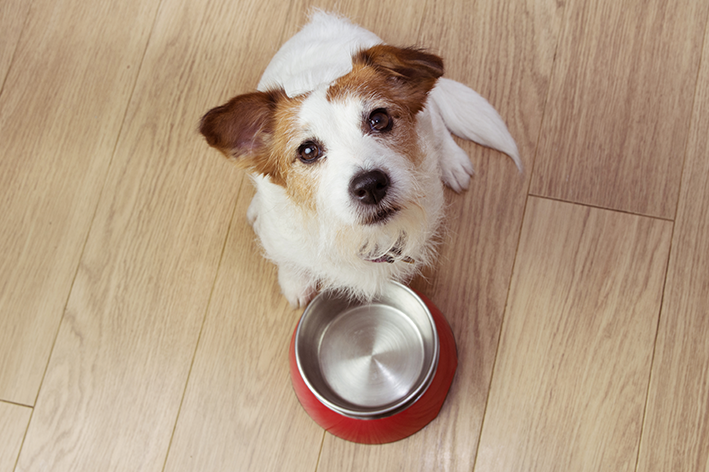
(412, 71)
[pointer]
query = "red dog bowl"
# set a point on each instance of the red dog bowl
(373, 373)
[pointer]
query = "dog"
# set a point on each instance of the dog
(348, 143)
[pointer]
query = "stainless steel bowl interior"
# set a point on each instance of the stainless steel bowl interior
(367, 360)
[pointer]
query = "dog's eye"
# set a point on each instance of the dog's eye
(309, 152)
(380, 121)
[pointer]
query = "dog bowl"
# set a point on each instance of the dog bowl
(376, 372)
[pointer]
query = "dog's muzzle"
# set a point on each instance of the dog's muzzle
(369, 189)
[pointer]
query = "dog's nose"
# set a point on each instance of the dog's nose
(369, 187)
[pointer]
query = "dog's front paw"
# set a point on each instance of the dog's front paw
(299, 297)
(456, 168)
(297, 289)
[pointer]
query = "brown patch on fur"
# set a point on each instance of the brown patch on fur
(403, 75)
(299, 179)
(302, 182)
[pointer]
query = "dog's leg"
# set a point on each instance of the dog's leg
(297, 287)
(454, 163)
(470, 116)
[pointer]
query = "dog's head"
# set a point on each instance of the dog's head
(348, 151)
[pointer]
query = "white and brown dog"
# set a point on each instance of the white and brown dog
(348, 141)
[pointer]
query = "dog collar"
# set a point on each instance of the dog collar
(385, 258)
(389, 259)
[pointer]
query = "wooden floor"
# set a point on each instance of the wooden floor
(141, 330)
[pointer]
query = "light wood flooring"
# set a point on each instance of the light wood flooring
(141, 330)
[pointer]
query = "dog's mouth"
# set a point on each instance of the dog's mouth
(379, 216)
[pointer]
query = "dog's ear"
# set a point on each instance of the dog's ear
(412, 70)
(242, 129)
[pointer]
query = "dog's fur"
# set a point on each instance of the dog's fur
(348, 143)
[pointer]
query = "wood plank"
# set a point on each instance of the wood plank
(676, 432)
(620, 105)
(240, 412)
(119, 369)
(13, 14)
(484, 47)
(571, 375)
(13, 424)
(61, 110)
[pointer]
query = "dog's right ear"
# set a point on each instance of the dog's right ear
(412, 72)
(242, 129)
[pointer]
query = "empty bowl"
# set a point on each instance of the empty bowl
(372, 372)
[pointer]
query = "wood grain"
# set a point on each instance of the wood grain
(568, 390)
(61, 111)
(13, 424)
(676, 433)
(123, 354)
(13, 14)
(615, 128)
(483, 47)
